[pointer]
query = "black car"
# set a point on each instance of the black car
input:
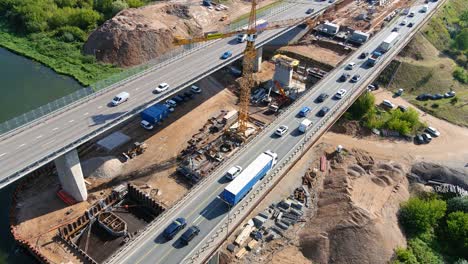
(437, 96)
(403, 108)
(322, 97)
(423, 97)
(310, 11)
(323, 111)
(395, 29)
(344, 77)
(427, 138)
(364, 55)
(418, 139)
(188, 235)
(178, 99)
(174, 228)
(410, 24)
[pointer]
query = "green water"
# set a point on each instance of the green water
(26, 85)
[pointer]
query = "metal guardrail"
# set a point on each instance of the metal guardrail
(42, 113)
(51, 156)
(242, 210)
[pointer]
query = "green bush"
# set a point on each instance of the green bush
(405, 256)
(457, 232)
(424, 253)
(363, 105)
(457, 204)
(419, 216)
(117, 6)
(460, 75)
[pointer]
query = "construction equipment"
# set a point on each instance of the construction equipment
(283, 99)
(137, 149)
(252, 29)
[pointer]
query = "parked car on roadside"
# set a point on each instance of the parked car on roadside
(195, 89)
(171, 103)
(427, 138)
(146, 125)
(433, 131)
(388, 104)
(419, 139)
(449, 94)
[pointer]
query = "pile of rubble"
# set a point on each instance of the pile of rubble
(271, 223)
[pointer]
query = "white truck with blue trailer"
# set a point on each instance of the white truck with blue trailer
(244, 182)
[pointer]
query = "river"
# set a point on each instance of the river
(24, 85)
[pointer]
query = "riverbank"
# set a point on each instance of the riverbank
(64, 58)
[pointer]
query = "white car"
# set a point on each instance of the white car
(340, 93)
(161, 87)
(233, 172)
(281, 130)
(433, 131)
(195, 89)
(350, 66)
(404, 22)
(120, 98)
(388, 104)
(171, 103)
(146, 125)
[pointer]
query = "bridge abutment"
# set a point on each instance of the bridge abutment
(71, 176)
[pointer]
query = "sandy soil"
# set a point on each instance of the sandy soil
(317, 53)
(451, 148)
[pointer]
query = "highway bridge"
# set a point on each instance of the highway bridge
(202, 206)
(55, 136)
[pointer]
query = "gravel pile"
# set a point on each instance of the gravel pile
(425, 171)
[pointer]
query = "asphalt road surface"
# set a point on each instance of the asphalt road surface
(30, 146)
(205, 209)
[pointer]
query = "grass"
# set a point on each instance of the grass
(64, 58)
(420, 71)
(437, 31)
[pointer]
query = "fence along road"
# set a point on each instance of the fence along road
(50, 137)
(201, 206)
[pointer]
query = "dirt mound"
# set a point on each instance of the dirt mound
(356, 216)
(352, 128)
(425, 171)
(135, 36)
(102, 167)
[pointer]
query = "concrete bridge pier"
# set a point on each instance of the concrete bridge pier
(71, 176)
(258, 60)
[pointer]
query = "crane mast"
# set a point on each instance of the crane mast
(247, 81)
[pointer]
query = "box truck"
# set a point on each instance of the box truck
(389, 41)
(244, 182)
(305, 124)
(155, 113)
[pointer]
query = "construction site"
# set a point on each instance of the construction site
(133, 174)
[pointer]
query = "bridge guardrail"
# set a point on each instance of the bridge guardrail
(42, 113)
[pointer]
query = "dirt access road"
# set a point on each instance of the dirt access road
(450, 149)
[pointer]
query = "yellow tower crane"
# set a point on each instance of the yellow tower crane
(247, 80)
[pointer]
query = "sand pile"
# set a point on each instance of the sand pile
(102, 167)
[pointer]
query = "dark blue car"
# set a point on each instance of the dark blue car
(226, 55)
(174, 228)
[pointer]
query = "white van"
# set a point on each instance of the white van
(305, 125)
(241, 38)
(120, 98)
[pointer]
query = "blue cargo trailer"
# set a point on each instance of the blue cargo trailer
(242, 184)
(155, 113)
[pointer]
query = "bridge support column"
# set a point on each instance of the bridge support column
(71, 176)
(258, 60)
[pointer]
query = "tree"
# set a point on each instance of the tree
(86, 19)
(135, 3)
(32, 15)
(362, 106)
(118, 6)
(419, 216)
(457, 232)
(458, 204)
